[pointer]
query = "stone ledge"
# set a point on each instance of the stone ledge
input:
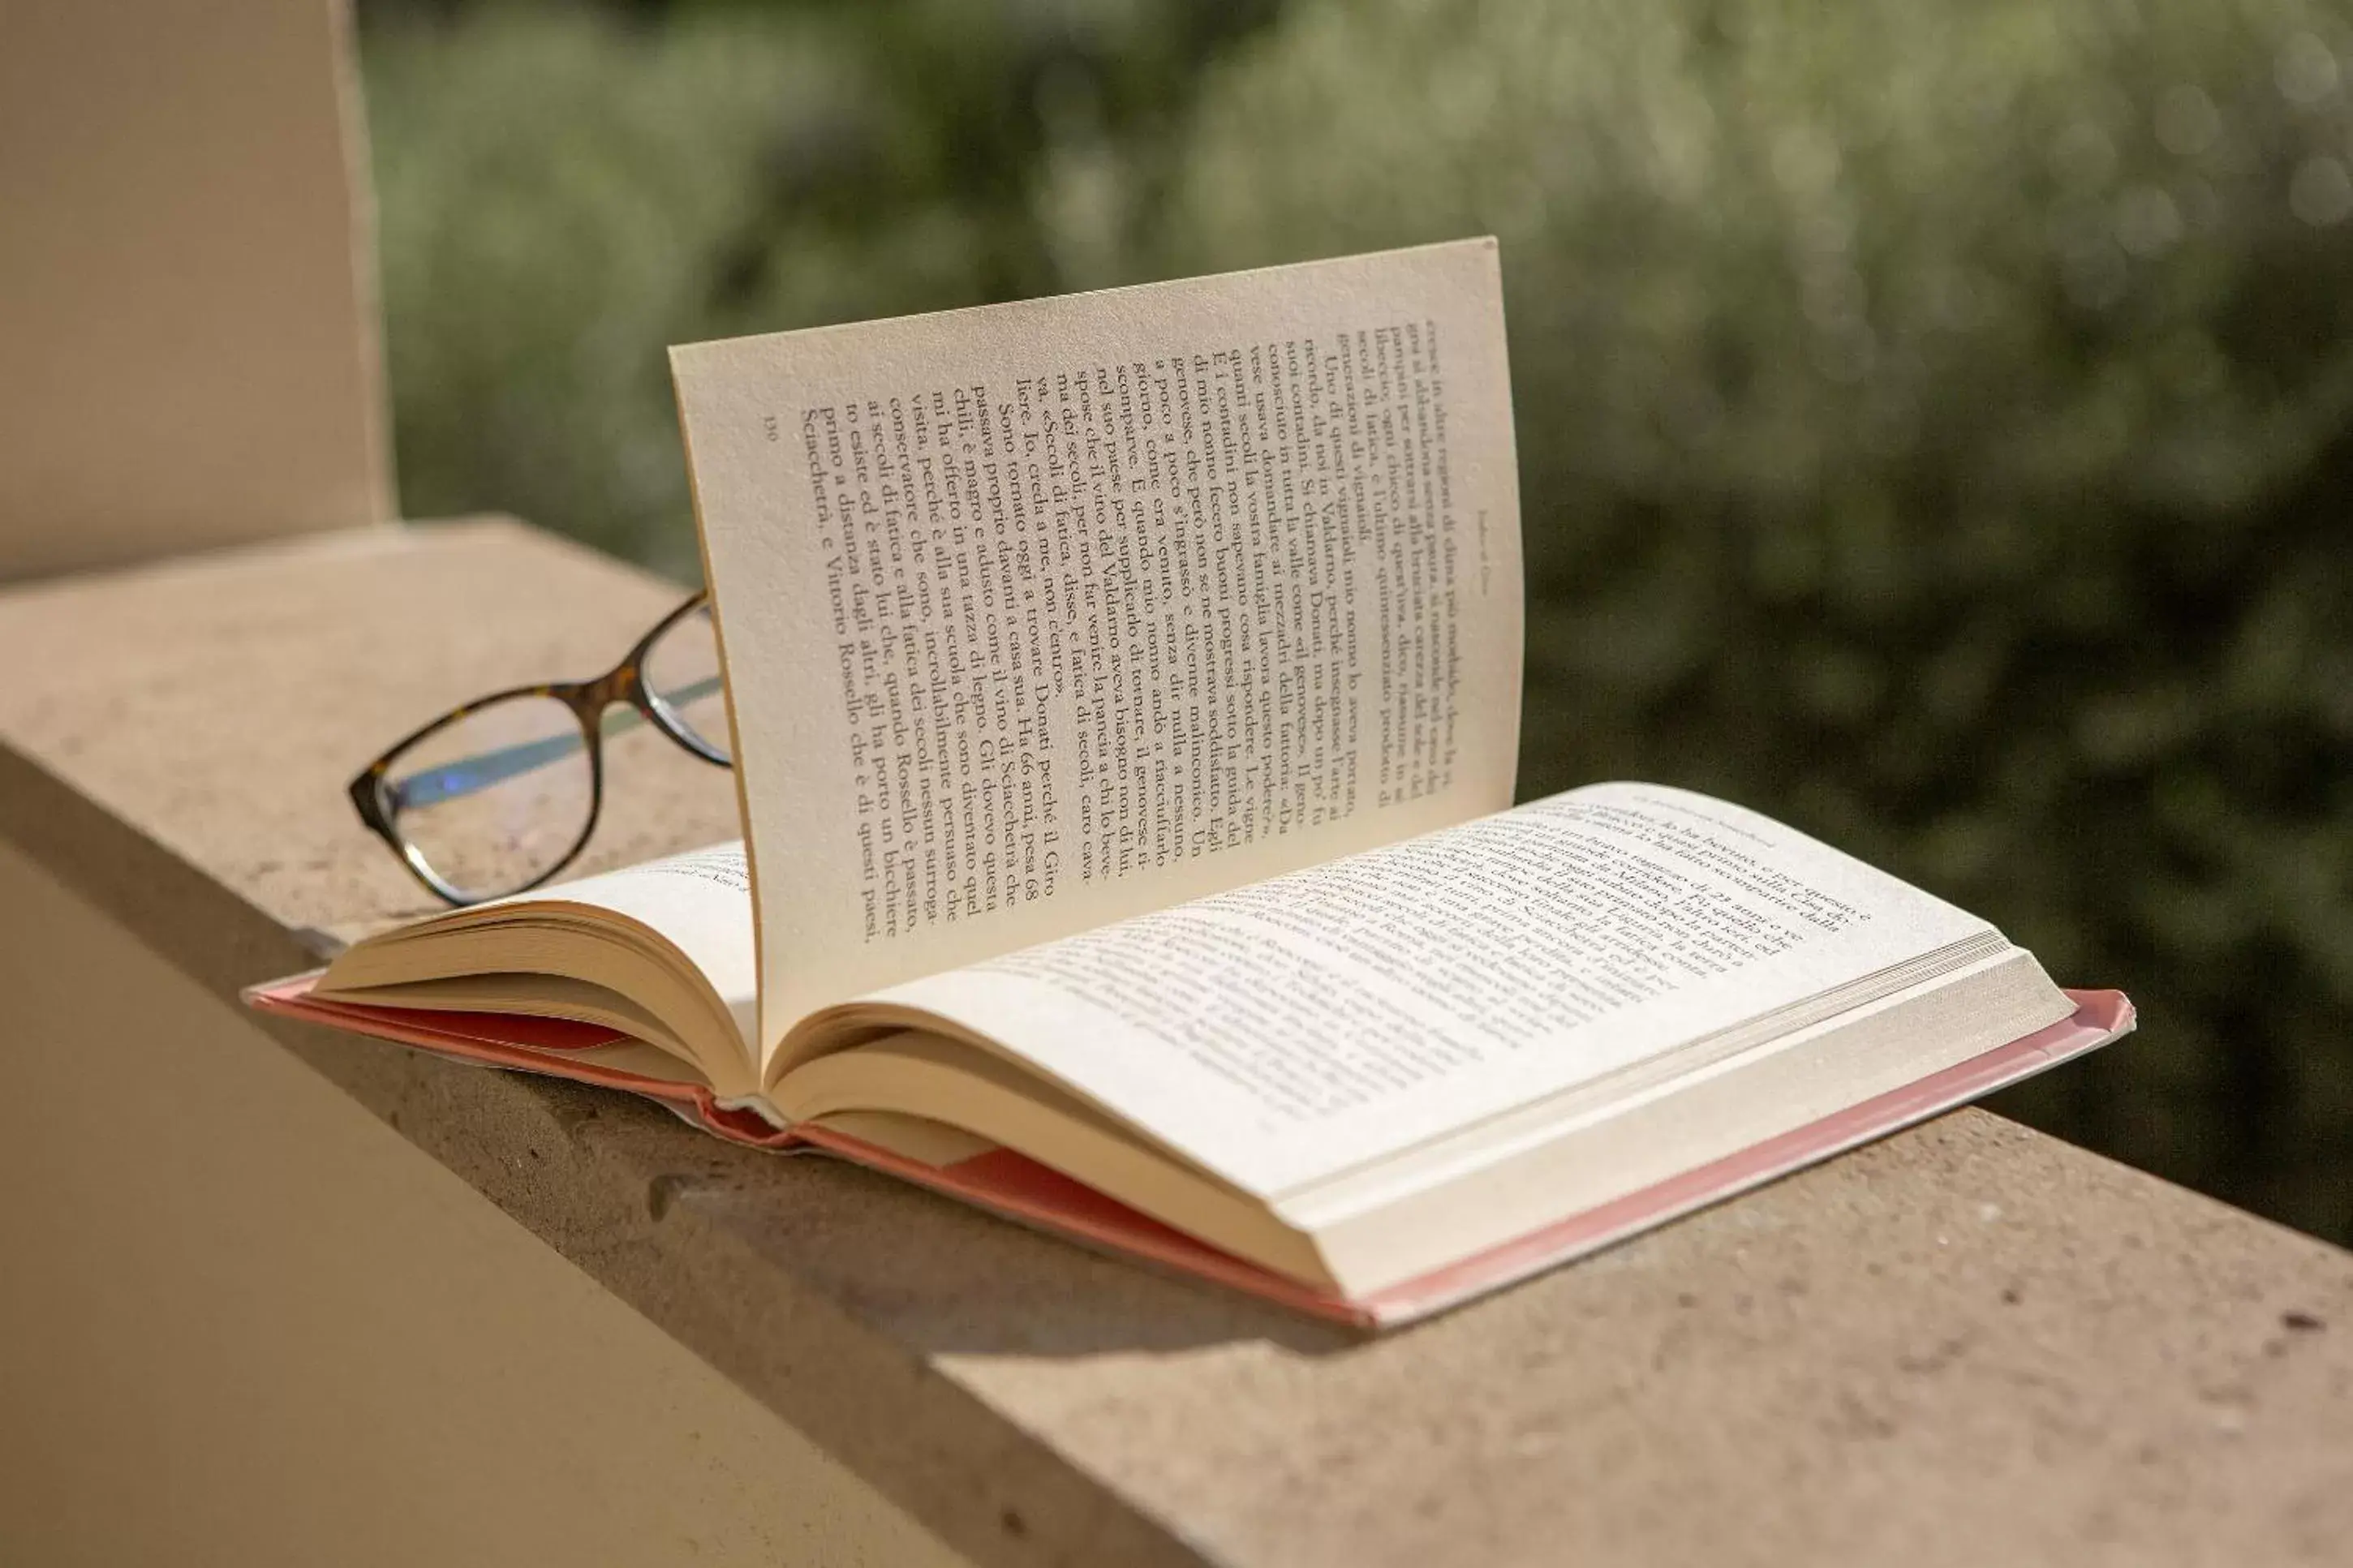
(1968, 1342)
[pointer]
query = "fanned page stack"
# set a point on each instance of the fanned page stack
(1125, 697)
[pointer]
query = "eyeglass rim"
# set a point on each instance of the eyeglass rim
(623, 684)
(644, 698)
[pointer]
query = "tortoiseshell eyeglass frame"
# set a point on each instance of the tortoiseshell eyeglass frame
(623, 686)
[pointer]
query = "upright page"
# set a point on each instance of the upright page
(1042, 615)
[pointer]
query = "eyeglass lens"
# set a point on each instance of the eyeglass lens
(499, 797)
(496, 798)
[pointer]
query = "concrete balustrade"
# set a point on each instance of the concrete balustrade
(373, 1307)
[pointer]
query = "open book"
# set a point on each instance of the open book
(1124, 691)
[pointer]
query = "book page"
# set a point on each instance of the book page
(1281, 1033)
(1042, 615)
(699, 902)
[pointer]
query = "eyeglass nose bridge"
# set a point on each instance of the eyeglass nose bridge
(624, 684)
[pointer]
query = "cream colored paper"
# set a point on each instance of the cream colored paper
(699, 903)
(1039, 615)
(1284, 1033)
(594, 948)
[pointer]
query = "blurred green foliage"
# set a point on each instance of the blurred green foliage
(564, 190)
(1936, 422)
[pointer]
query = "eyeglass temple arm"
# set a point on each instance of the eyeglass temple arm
(469, 776)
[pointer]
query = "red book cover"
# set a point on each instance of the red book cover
(1012, 1185)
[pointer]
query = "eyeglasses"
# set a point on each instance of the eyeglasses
(498, 795)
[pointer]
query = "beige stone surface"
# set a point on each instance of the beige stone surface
(186, 291)
(1968, 1343)
(229, 1286)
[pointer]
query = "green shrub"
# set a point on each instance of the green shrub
(1935, 426)
(564, 191)
(556, 195)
